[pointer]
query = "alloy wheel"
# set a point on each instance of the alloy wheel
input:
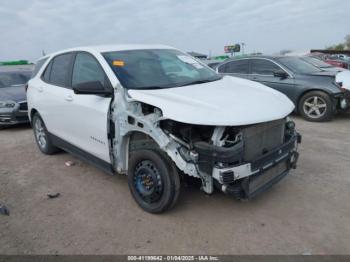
(40, 133)
(315, 107)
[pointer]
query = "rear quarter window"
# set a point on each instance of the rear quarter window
(38, 66)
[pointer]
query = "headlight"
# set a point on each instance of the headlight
(7, 104)
(290, 125)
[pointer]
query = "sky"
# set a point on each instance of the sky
(29, 26)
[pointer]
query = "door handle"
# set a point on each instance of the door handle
(69, 98)
(40, 89)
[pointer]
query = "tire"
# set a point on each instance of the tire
(316, 106)
(153, 180)
(42, 137)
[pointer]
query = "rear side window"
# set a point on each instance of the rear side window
(57, 71)
(87, 69)
(264, 67)
(38, 65)
(235, 67)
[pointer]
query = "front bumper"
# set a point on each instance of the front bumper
(342, 100)
(247, 180)
(13, 116)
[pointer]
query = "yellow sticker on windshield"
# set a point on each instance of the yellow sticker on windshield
(118, 63)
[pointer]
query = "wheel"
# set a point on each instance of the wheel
(316, 106)
(42, 136)
(153, 180)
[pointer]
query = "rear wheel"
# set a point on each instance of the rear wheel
(153, 180)
(316, 106)
(42, 136)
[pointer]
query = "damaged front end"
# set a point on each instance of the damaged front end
(241, 161)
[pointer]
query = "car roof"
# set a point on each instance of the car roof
(110, 48)
(271, 57)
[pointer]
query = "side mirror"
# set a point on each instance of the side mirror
(92, 88)
(281, 74)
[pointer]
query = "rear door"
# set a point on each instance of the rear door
(262, 71)
(54, 92)
(87, 120)
(238, 68)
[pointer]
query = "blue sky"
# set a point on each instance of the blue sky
(27, 27)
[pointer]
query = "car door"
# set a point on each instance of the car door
(53, 95)
(263, 71)
(87, 120)
(237, 68)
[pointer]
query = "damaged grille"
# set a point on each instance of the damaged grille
(261, 138)
(23, 106)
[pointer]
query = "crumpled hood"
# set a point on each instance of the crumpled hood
(230, 101)
(13, 93)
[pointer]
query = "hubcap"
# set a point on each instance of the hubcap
(147, 181)
(40, 133)
(315, 107)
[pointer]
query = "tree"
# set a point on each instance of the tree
(339, 47)
(347, 42)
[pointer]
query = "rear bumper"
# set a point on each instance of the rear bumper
(250, 179)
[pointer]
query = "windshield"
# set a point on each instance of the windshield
(297, 65)
(316, 62)
(13, 78)
(157, 68)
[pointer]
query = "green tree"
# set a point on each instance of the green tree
(347, 42)
(339, 47)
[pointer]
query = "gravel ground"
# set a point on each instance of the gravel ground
(307, 212)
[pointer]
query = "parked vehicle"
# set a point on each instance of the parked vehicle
(338, 63)
(321, 64)
(153, 112)
(340, 57)
(13, 104)
(316, 95)
(212, 63)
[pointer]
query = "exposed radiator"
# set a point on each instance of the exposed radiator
(259, 139)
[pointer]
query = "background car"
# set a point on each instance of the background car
(338, 63)
(13, 101)
(314, 92)
(321, 64)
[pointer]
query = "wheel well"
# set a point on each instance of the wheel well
(139, 140)
(32, 112)
(304, 93)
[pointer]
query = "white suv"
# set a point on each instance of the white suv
(155, 114)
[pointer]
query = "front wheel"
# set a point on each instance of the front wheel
(316, 106)
(153, 180)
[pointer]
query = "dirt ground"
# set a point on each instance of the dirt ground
(308, 212)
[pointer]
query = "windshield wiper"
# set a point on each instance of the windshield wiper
(200, 81)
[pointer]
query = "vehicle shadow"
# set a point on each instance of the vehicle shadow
(18, 127)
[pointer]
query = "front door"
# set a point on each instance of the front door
(88, 117)
(262, 71)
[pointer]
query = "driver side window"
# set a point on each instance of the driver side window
(264, 67)
(87, 69)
